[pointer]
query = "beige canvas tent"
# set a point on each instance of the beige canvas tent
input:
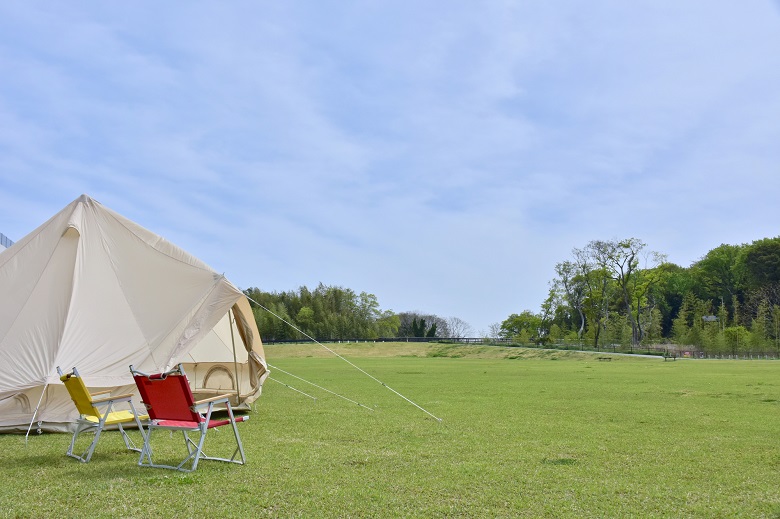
(91, 289)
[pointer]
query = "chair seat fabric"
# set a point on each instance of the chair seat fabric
(116, 417)
(181, 424)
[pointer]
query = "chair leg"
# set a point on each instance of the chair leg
(80, 428)
(138, 422)
(194, 452)
(240, 446)
(199, 450)
(94, 444)
(129, 443)
(146, 450)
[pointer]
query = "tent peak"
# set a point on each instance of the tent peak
(85, 199)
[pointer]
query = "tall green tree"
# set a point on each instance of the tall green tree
(592, 262)
(759, 328)
(673, 284)
(715, 275)
(633, 270)
(758, 264)
(571, 283)
(682, 323)
(420, 328)
(525, 324)
(410, 325)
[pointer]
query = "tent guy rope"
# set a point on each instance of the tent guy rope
(318, 387)
(293, 388)
(346, 360)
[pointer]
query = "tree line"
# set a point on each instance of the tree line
(607, 293)
(619, 292)
(338, 313)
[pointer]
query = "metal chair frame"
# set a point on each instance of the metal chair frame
(97, 413)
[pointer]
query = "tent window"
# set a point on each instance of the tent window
(219, 377)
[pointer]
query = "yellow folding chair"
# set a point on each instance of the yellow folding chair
(93, 418)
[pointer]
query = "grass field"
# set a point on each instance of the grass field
(524, 433)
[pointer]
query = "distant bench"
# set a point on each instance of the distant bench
(608, 359)
(670, 356)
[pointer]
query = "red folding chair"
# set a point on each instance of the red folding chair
(170, 404)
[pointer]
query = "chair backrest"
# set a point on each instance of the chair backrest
(79, 393)
(167, 396)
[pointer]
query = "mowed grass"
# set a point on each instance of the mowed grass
(524, 433)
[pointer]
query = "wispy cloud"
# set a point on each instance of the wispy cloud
(442, 156)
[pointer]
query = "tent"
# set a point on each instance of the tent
(92, 289)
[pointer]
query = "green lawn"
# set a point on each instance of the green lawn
(524, 433)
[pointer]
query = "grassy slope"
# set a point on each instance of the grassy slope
(524, 433)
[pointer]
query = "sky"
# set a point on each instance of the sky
(443, 156)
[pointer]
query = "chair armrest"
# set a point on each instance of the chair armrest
(214, 399)
(93, 393)
(117, 398)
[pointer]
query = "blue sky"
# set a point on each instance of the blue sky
(443, 156)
